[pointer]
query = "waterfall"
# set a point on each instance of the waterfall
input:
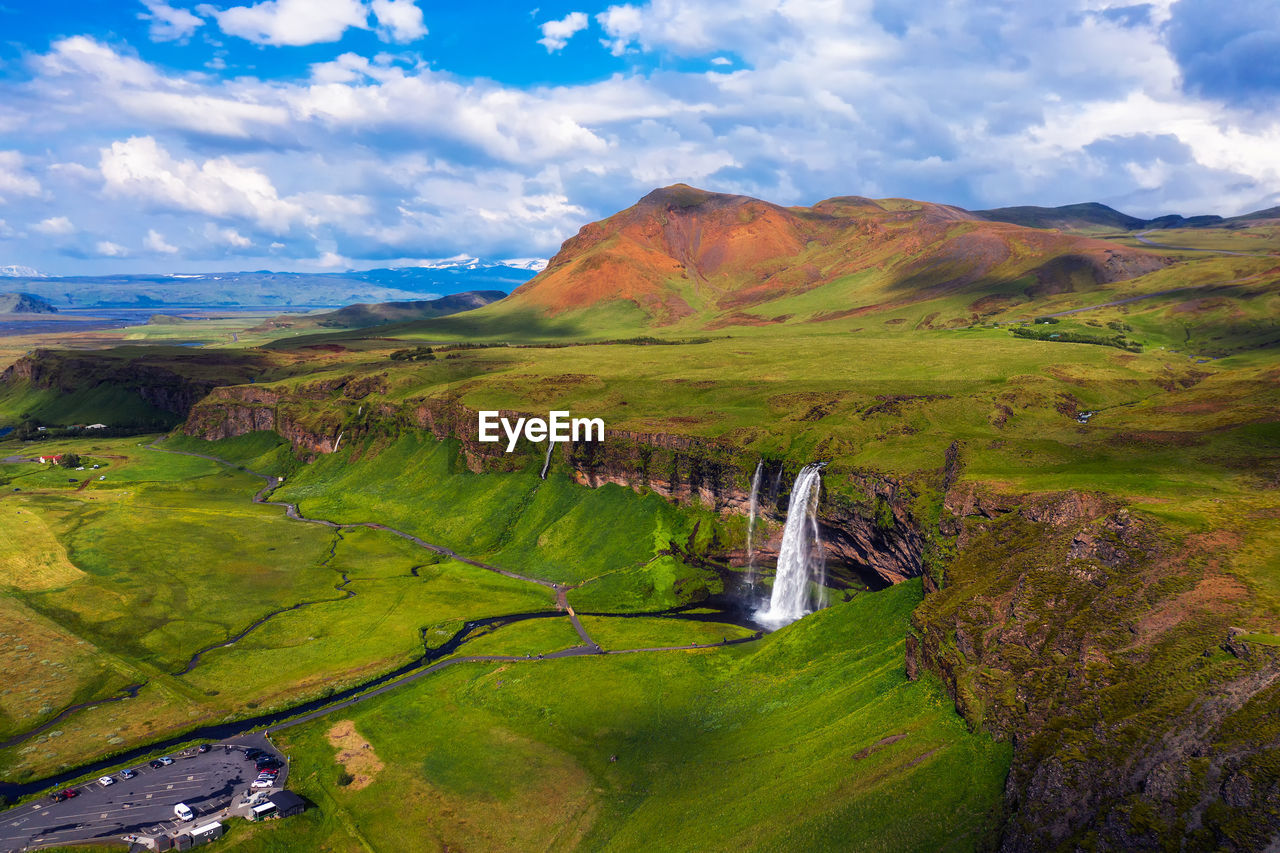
(547, 464)
(754, 509)
(336, 442)
(800, 560)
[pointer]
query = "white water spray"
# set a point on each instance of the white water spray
(336, 442)
(754, 509)
(547, 464)
(800, 560)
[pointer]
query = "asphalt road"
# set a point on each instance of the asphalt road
(207, 783)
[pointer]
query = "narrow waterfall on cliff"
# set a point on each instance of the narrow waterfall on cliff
(754, 510)
(547, 463)
(800, 560)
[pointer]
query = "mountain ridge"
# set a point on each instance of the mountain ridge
(682, 254)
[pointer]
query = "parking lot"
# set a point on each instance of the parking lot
(144, 804)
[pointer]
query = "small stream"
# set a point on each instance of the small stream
(727, 607)
(11, 791)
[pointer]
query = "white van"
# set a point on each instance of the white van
(184, 812)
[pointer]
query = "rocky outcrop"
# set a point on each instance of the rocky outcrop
(1074, 629)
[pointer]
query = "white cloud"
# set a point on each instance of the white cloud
(227, 236)
(85, 74)
(167, 22)
(291, 22)
(622, 24)
(14, 179)
(140, 168)
(107, 249)
(399, 21)
(155, 242)
(54, 226)
(81, 55)
(381, 157)
(556, 34)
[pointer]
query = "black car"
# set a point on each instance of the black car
(270, 764)
(157, 764)
(203, 748)
(253, 754)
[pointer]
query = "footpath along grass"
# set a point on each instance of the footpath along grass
(812, 739)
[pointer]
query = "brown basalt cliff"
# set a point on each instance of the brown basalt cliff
(681, 468)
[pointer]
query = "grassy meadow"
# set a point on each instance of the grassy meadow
(797, 742)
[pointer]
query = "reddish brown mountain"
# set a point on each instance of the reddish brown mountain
(682, 252)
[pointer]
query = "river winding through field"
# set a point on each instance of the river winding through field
(431, 661)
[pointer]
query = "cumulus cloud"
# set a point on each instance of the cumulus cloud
(227, 237)
(556, 34)
(974, 102)
(80, 76)
(303, 22)
(291, 22)
(14, 179)
(54, 226)
(399, 21)
(107, 249)
(155, 242)
(139, 167)
(169, 23)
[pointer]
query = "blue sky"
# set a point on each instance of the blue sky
(167, 135)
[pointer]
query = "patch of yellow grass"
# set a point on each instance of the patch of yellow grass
(31, 557)
(355, 754)
(45, 665)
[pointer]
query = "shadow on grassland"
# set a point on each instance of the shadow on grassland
(505, 327)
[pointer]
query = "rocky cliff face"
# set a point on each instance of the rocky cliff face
(879, 549)
(171, 382)
(1068, 626)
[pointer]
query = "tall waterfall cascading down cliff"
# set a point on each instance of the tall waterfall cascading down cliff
(546, 463)
(800, 559)
(753, 510)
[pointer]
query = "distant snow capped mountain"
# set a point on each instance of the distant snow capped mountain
(19, 271)
(535, 264)
(466, 262)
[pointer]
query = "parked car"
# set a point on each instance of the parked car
(254, 754)
(128, 774)
(58, 796)
(104, 781)
(203, 748)
(165, 760)
(156, 764)
(263, 783)
(268, 774)
(269, 763)
(68, 793)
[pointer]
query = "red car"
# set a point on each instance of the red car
(65, 795)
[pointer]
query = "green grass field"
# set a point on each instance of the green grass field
(799, 742)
